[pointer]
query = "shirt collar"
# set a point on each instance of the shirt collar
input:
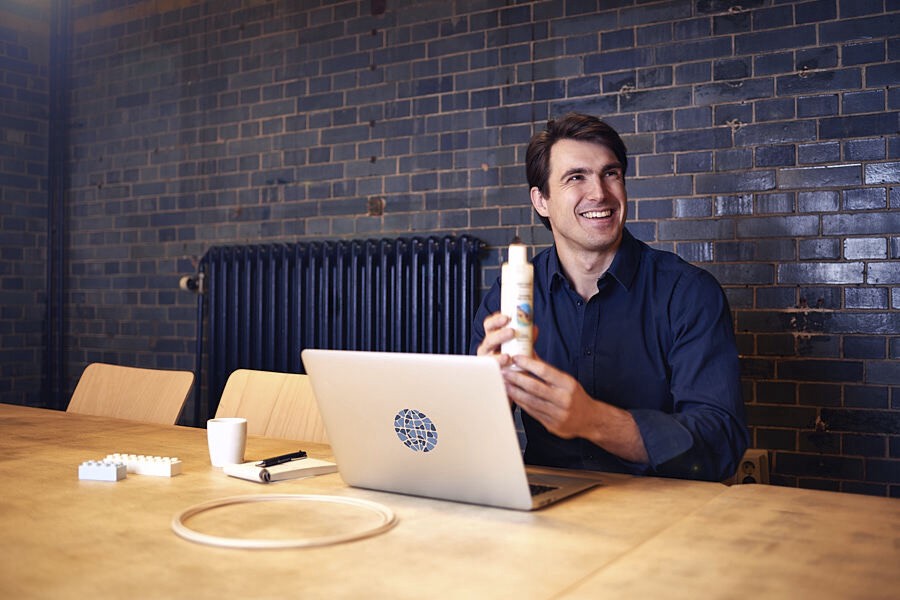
(623, 268)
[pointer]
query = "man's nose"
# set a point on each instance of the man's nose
(597, 189)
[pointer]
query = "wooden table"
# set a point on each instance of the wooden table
(67, 538)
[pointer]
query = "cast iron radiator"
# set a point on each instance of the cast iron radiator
(265, 303)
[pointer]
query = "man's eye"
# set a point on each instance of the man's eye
(614, 173)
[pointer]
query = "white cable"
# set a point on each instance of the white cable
(388, 520)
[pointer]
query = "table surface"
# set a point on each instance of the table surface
(69, 538)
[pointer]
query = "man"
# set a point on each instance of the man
(635, 368)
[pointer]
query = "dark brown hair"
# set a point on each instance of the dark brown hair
(573, 126)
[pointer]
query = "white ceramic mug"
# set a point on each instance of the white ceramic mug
(227, 438)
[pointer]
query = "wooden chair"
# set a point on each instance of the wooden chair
(136, 394)
(278, 405)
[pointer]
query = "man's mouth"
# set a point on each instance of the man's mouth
(597, 214)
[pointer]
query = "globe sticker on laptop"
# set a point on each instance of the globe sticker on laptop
(415, 430)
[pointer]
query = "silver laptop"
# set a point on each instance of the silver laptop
(429, 425)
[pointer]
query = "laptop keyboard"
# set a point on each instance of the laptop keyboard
(540, 489)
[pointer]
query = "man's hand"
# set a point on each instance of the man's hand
(558, 402)
(496, 333)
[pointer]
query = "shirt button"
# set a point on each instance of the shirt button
(587, 351)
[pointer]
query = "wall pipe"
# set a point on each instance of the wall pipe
(54, 355)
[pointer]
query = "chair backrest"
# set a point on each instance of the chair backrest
(278, 405)
(137, 394)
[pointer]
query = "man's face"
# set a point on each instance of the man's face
(587, 204)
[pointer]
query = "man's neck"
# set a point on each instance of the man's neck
(583, 269)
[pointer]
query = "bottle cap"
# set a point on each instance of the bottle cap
(518, 253)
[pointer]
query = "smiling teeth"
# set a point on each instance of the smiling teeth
(597, 214)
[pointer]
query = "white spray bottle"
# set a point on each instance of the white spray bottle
(517, 299)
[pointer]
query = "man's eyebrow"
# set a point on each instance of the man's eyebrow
(574, 171)
(584, 170)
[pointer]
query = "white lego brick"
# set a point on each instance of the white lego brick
(102, 470)
(139, 464)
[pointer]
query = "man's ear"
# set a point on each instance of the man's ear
(539, 202)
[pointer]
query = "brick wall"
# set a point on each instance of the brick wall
(764, 137)
(23, 199)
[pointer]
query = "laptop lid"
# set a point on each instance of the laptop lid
(424, 424)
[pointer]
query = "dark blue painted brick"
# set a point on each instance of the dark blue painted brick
(750, 181)
(775, 109)
(883, 273)
(659, 187)
(866, 52)
(821, 81)
(733, 91)
(816, 58)
(827, 273)
(775, 156)
(693, 118)
(775, 133)
(775, 203)
(618, 60)
(654, 209)
(654, 77)
(772, 64)
(763, 42)
(781, 416)
(655, 99)
(741, 273)
(866, 298)
(726, 24)
(688, 208)
(863, 102)
(816, 177)
(821, 370)
(860, 29)
(858, 126)
(819, 153)
(718, 137)
(693, 51)
(655, 121)
(741, 113)
(819, 248)
(650, 35)
(693, 72)
(693, 162)
(883, 173)
(657, 164)
(864, 346)
(860, 248)
(763, 227)
(819, 201)
(696, 251)
(702, 229)
(861, 223)
(778, 297)
(732, 68)
(622, 38)
(871, 149)
(865, 198)
(858, 8)
(817, 106)
(734, 159)
(734, 205)
(862, 421)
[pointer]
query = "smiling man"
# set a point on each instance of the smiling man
(635, 367)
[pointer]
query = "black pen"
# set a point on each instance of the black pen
(277, 460)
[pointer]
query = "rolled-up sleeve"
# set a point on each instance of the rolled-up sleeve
(705, 436)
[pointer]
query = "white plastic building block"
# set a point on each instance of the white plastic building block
(102, 470)
(160, 466)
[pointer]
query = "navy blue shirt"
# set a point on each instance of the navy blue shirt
(657, 340)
